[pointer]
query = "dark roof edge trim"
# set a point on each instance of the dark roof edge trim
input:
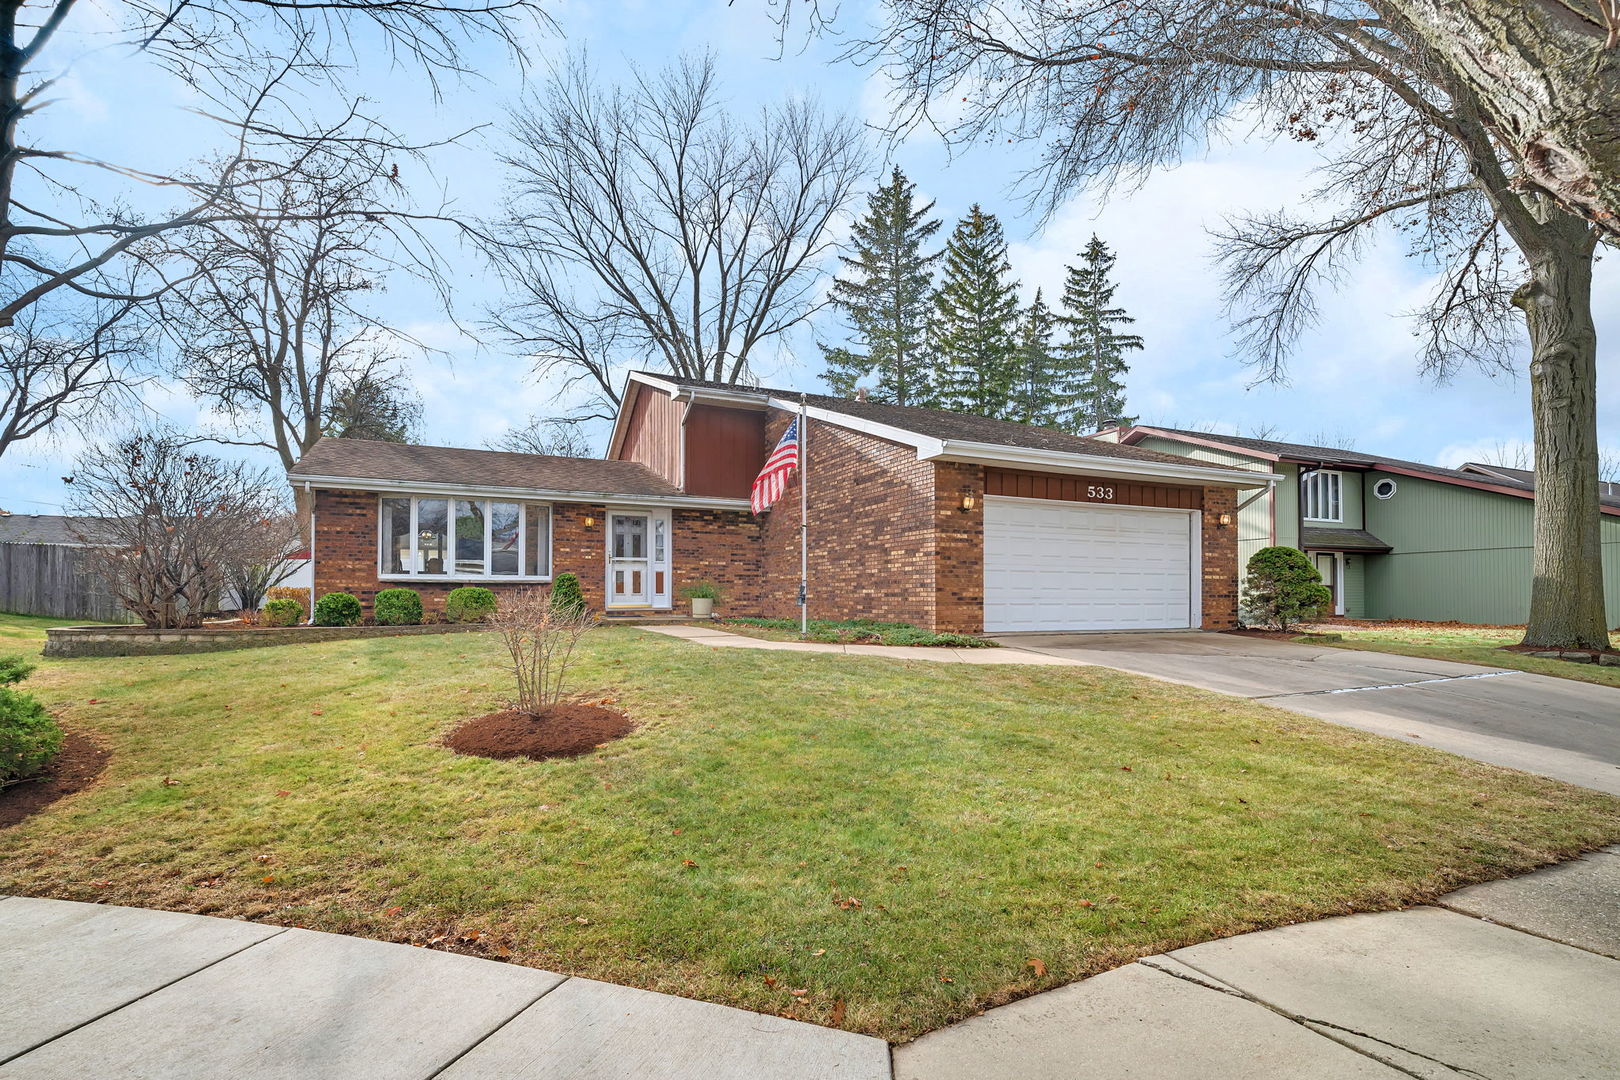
(423, 487)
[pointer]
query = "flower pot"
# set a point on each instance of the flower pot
(702, 607)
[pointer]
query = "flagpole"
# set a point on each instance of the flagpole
(804, 518)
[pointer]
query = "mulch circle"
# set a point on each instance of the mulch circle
(565, 730)
(74, 769)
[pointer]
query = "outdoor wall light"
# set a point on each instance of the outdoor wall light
(967, 502)
(1224, 520)
(589, 521)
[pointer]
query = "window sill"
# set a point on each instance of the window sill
(444, 578)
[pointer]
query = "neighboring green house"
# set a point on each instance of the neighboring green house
(1393, 539)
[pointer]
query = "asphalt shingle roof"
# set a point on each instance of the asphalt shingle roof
(941, 424)
(1522, 479)
(45, 529)
(1331, 539)
(361, 459)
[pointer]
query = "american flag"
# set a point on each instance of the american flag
(772, 479)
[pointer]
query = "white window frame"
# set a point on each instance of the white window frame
(523, 538)
(1331, 485)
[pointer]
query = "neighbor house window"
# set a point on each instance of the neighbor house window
(463, 538)
(1319, 495)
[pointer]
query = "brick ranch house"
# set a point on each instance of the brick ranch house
(947, 521)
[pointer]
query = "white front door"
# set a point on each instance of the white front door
(630, 581)
(1051, 565)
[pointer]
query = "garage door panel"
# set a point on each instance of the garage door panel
(1051, 565)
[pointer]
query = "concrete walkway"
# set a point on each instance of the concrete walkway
(721, 639)
(97, 991)
(1512, 979)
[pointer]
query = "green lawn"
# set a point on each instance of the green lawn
(915, 841)
(1468, 645)
(26, 633)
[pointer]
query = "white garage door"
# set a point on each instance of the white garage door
(1052, 565)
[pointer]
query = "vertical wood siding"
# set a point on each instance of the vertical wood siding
(652, 433)
(725, 449)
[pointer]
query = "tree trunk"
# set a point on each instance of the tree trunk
(1548, 75)
(1566, 594)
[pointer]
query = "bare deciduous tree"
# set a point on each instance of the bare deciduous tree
(1547, 75)
(65, 371)
(78, 227)
(165, 526)
(271, 323)
(544, 435)
(1114, 90)
(540, 640)
(647, 223)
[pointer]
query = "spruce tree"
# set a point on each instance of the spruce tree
(884, 292)
(1089, 390)
(974, 331)
(1032, 386)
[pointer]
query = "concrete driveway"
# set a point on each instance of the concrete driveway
(1556, 727)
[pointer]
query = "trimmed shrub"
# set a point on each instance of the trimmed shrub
(29, 736)
(282, 613)
(1282, 588)
(398, 607)
(290, 592)
(470, 603)
(337, 609)
(566, 595)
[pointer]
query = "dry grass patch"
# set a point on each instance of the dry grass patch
(1468, 645)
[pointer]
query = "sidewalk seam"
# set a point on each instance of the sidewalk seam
(1316, 1025)
(482, 1039)
(142, 997)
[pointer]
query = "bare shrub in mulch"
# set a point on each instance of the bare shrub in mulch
(73, 769)
(566, 729)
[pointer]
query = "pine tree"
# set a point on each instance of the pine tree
(1089, 391)
(974, 330)
(1032, 387)
(884, 293)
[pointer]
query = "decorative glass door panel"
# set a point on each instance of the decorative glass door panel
(629, 568)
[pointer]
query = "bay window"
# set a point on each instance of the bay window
(463, 538)
(1319, 496)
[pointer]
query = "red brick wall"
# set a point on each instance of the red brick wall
(959, 548)
(722, 546)
(871, 530)
(1220, 586)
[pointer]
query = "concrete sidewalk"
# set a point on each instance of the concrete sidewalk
(1514, 978)
(721, 639)
(97, 991)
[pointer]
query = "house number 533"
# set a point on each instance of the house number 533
(1093, 491)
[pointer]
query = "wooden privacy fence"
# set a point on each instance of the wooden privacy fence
(54, 579)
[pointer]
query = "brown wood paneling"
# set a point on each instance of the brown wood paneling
(725, 449)
(652, 433)
(1098, 489)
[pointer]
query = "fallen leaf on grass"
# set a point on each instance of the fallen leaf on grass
(582, 920)
(770, 980)
(1038, 967)
(268, 880)
(688, 863)
(262, 858)
(169, 781)
(799, 993)
(393, 912)
(282, 794)
(819, 952)
(837, 1017)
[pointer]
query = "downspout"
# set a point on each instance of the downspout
(309, 493)
(680, 448)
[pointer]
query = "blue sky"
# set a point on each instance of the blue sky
(1355, 376)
